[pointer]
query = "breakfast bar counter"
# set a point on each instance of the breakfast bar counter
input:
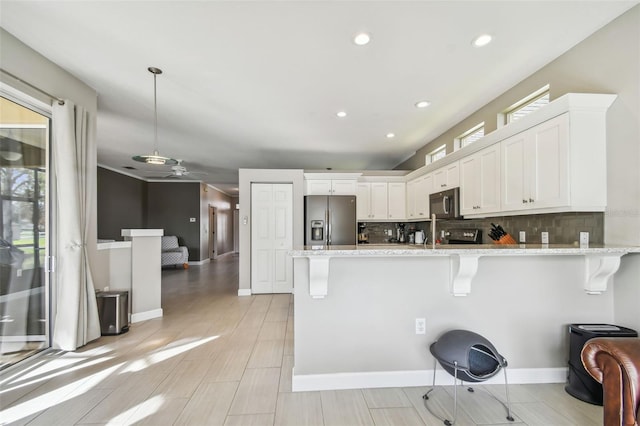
(600, 261)
(357, 307)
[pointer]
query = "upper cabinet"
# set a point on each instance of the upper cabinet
(372, 201)
(446, 177)
(418, 191)
(480, 182)
(535, 167)
(330, 187)
(397, 200)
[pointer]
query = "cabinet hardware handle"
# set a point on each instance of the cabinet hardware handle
(531, 200)
(524, 201)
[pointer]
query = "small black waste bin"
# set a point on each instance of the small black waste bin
(113, 310)
(580, 383)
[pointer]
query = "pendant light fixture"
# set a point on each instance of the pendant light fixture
(155, 158)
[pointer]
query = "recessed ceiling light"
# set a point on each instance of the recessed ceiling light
(482, 40)
(391, 135)
(422, 104)
(341, 114)
(361, 39)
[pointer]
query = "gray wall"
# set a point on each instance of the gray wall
(129, 203)
(170, 206)
(122, 204)
(606, 62)
(366, 323)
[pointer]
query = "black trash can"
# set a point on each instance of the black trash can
(580, 383)
(113, 310)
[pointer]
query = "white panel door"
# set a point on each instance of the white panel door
(271, 238)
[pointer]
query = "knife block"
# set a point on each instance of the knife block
(506, 239)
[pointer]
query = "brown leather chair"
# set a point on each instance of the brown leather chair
(615, 362)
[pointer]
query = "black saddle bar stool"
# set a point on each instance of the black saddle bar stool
(468, 357)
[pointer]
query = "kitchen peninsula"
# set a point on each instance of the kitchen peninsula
(356, 308)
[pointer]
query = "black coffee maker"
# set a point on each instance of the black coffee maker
(401, 234)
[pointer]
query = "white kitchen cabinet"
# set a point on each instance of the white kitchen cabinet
(330, 187)
(423, 188)
(535, 167)
(371, 201)
(480, 182)
(446, 177)
(411, 199)
(397, 200)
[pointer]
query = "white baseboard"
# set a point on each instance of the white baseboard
(147, 315)
(198, 262)
(244, 292)
(229, 253)
(396, 379)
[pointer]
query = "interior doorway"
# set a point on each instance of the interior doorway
(213, 240)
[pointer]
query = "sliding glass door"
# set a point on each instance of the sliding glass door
(24, 231)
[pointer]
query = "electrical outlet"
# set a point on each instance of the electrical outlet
(192, 219)
(544, 237)
(523, 237)
(421, 325)
(584, 238)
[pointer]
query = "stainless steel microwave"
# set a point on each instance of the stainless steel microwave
(445, 204)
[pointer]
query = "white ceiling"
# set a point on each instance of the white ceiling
(257, 84)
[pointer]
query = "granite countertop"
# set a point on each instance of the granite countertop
(449, 249)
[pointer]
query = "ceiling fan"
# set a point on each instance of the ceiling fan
(179, 171)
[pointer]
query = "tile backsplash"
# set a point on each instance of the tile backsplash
(563, 228)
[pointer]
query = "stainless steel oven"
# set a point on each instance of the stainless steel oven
(445, 204)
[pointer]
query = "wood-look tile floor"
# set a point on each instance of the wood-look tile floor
(219, 359)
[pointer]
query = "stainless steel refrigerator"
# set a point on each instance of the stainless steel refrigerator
(330, 220)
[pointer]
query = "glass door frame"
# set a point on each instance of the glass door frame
(35, 105)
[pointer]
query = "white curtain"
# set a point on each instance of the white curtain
(74, 160)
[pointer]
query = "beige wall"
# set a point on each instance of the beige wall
(606, 62)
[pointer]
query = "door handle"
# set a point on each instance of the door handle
(445, 204)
